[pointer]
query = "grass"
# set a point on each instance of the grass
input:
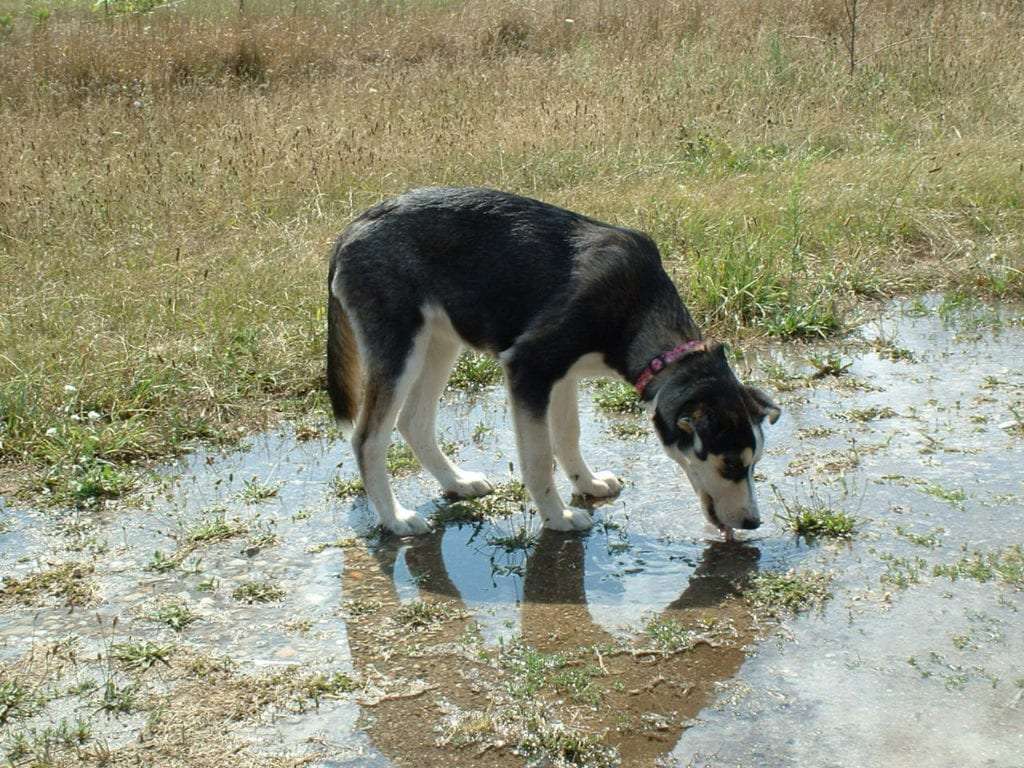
(817, 521)
(175, 615)
(140, 655)
(214, 528)
(616, 397)
(505, 500)
(626, 430)
(255, 490)
(348, 488)
(790, 592)
(1006, 566)
(69, 583)
(473, 372)
(162, 255)
(17, 700)
(257, 592)
(401, 460)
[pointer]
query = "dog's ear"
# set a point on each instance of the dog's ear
(761, 406)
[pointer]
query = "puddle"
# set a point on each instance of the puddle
(496, 644)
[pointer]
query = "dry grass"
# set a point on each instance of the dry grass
(172, 180)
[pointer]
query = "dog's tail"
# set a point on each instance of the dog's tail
(343, 374)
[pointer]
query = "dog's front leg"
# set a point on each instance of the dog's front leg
(537, 462)
(564, 417)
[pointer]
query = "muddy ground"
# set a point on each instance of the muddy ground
(244, 611)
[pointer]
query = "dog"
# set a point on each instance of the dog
(556, 296)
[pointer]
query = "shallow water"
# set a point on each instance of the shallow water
(900, 667)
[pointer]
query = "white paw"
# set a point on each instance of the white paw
(569, 520)
(468, 485)
(601, 485)
(407, 523)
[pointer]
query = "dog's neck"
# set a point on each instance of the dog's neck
(656, 336)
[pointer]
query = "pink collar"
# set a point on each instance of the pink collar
(659, 363)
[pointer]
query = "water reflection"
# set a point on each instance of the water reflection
(647, 697)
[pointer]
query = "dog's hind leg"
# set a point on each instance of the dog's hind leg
(564, 418)
(417, 422)
(383, 397)
(537, 466)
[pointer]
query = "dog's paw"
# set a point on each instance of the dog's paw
(569, 520)
(600, 486)
(468, 485)
(407, 523)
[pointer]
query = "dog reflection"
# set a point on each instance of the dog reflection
(647, 698)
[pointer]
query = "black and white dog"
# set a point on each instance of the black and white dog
(555, 296)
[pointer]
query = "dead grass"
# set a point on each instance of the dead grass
(172, 180)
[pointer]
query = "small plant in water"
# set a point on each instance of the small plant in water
(831, 364)
(474, 371)
(1005, 565)
(257, 592)
(346, 489)
(817, 521)
(616, 397)
(401, 460)
(790, 592)
(176, 615)
(140, 654)
(255, 490)
(504, 501)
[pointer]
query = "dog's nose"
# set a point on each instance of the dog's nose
(749, 525)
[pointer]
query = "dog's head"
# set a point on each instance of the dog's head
(711, 424)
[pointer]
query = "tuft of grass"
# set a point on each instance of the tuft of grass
(17, 700)
(257, 592)
(161, 563)
(670, 635)
(616, 397)
(255, 491)
(327, 686)
(813, 522)
(45, 746)
(520, 540)
(901, 572)
(504, 501)
(215, 528)
(781, 593)
(935, 490)
(140, 654)
(347, 489)
(828, 365)
(176, 615)
(1006, 565)
(474, 372)
(118, 698)
(401, 460)
(70, 583)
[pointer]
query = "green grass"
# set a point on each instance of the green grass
(814, 522)
(401, 460)
(69, 583)
(176, 615)
(140, 655)
(1005, 565)
(616, 397)
(255, 490)
(473, 372)
(257, 592)
(17, 700)
(162, 256)
(348, 488)
(790, 592)
(505, 500)
(214, 528)
(669, 635)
